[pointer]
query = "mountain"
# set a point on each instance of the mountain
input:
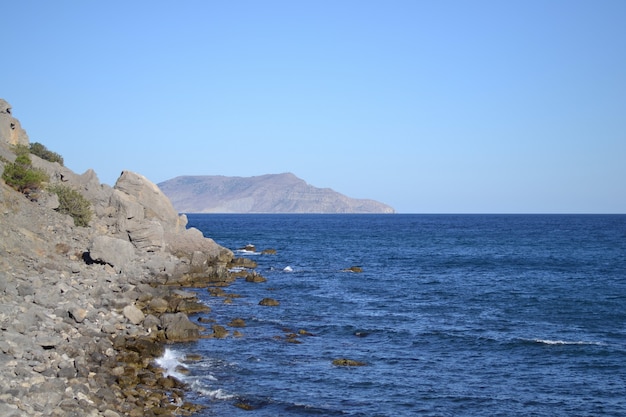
(272, 193)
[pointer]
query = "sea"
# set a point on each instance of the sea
(450, 315)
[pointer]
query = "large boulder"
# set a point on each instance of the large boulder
(178, 328)
(155, 204)
(185, 243)
(116, 252)
(128, 219)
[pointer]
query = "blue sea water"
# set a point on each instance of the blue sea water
(454, 315)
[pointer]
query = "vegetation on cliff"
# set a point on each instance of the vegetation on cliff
(21, 175)
(44, 153)
(73, 203)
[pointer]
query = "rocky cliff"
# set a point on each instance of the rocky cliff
(85, 310)
(274, 193)
(11, 131)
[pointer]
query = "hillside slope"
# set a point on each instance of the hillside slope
(272, 193)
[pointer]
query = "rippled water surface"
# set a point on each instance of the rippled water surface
(498, 315)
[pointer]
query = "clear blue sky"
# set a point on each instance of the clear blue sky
(429, 106)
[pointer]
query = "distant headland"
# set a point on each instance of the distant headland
(271, 193)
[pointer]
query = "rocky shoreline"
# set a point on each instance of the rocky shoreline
(85, 311)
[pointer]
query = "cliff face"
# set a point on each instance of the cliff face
(273, 193)
(11, 131)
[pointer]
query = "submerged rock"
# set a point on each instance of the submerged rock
(255, 277)
(269, 302)
(219, 332)
(237, 323)
(347, 362)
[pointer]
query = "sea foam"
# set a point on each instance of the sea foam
(564, 342)
(170, 363)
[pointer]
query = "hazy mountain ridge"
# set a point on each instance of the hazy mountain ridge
(271, 193)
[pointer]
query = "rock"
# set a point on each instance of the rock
(178, 327)
(244, 406)
(133, 314)
(185, 243)
(126, 208)
(116, 252)
(193, 357)
(11, 131)
(184, 294)
(205, 320)
(158, 305)
(219, 331)
(77, 313)
(356, 269)
(48, 341)
(152, 322)
(255, 277)
(237, 323)
(146, 235)
(243, 263)
(156, 205)
(199, 261)
(347, 362)
(269, 302)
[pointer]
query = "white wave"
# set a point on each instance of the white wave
(214, 394)
(246, 252)
(287, 269)
(170, 362)
(564, 342)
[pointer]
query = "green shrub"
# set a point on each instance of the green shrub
(42, 152)
(73, 203)
(19, 150)
(22, 176)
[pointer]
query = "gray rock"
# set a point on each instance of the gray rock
(152, 322)
(146, 235)
(147, 194)
(77, 313)
(11, 131)
(115, 252)
(186, 243)
(133, 314)
(178, 327)
(126, 207)
(48, 341)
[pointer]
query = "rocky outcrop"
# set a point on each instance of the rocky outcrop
(11, 131)
(275, 193)
(82, 311)
(136, 211)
